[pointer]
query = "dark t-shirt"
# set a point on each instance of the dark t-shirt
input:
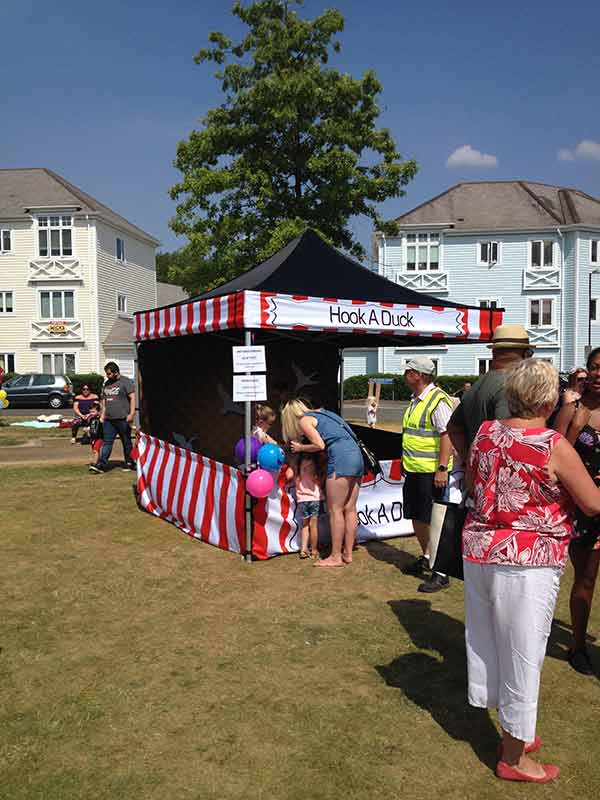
(116, 395)
(86, 403)
(484, 400)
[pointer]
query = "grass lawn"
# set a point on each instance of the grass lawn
(11, 435)
(138, 663)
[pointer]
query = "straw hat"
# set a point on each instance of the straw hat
(510, 337)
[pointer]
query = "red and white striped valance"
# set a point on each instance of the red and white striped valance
(270, 310)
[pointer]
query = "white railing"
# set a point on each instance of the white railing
(55, 269)
(543, 337)
(431, 281)
(57, 330)
(536, 278)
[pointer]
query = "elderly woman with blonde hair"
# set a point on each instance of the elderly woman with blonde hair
(325, 431)
(523, 478)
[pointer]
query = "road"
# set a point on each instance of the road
(388, 411)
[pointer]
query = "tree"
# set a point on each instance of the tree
(171, 266)
(294, 145)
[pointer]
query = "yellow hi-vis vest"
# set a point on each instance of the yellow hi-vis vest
(420, 439)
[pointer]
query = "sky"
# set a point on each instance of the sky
(102, 92)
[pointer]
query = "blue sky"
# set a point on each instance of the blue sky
(102, 92)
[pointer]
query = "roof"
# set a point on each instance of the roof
(22, 189)
(505, 205)
(121, 332)
(309, 266)
(169, 293)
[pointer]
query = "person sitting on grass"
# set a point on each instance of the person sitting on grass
(82, 407)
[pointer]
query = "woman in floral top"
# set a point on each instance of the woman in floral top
(523, 478)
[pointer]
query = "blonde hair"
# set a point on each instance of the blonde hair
(291, 413)
(265, 413)
(531, 385)
(371, 399)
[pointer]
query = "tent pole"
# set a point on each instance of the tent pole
(341, 362)
(248, 340)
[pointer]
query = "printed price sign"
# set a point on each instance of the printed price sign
(249, 388)
(249, 359)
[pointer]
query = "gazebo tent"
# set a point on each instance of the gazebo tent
(305, 303)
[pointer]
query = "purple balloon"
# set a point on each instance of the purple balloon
(260, 483)
(240, 450)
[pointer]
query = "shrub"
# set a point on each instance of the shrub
(356, 387)
(91, 379)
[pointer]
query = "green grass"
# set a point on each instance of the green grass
(137, 663)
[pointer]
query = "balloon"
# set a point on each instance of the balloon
(5, 403)
(271, 457)
(260, 483)
(240, 450)
(2, 394)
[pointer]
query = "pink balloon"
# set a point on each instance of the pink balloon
(260, 483)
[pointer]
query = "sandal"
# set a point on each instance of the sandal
(304, 554)
(580, 661)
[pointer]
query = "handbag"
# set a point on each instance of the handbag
(370, 463)
(448, 557)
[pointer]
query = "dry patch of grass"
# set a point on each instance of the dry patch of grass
(137, 663)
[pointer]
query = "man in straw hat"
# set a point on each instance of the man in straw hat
(486, 398)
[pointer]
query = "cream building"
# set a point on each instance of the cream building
(72, 272)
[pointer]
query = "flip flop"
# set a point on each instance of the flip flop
(304, 554)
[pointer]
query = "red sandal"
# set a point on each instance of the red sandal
(505, 772)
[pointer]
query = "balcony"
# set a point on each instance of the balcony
(535, 278)
(431, 281)
(543, 337)
(61, 331)
(54, 269)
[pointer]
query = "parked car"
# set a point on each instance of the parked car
(37, 390)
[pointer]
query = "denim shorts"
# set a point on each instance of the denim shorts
(308, 509)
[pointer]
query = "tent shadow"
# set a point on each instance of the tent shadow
(437, 683)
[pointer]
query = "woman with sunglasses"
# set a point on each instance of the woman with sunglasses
(82, 407)
(579, 421)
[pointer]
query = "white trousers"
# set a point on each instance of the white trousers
(508, 616)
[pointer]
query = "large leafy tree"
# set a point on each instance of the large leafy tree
(294, 144)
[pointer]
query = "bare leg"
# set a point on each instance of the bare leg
(314, 535)
(304, 537)
(421, 530)
(351, 520)
(338, 491)
(513, 753)
(585, 563)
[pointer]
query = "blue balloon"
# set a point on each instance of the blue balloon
(271, 457)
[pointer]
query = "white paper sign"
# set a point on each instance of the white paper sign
(249, 359)
(249, 388)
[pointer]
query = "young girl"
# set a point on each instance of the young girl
(371, 411)
(265, 417)
(96, 432)
(309, 494)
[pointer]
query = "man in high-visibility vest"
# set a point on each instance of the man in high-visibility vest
(426, 459)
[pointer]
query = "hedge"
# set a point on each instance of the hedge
(91, 379)
(356, 387)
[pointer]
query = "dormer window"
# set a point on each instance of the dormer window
(55, 236)
(422, 252)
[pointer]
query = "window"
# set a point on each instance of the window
(595, 251)
(488, 252)
(57, 304)
(121, 303)
(120, 249)
(58, 363)
(593, 309)
(541, 312)
(490, 302)
(483, 365)
(422, 251)
(55, 236)
(6, 303)
(7, 362)
(21, 382)
(5, 241)
(542, 254)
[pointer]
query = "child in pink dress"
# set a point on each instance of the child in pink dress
(309, 494)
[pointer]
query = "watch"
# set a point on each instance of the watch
(442, 468)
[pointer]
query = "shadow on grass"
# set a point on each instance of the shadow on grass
(561, 640)
(382, 551)
(438, 683)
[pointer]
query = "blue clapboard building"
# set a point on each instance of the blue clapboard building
(529, 247)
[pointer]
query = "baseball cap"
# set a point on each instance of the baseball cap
(421, 364)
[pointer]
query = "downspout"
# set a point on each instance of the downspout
(562, 302)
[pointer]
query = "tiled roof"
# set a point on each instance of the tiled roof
(121, 332)
(22, 189)
(506, 205)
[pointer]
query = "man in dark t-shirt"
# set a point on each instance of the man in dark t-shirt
(118, 411)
